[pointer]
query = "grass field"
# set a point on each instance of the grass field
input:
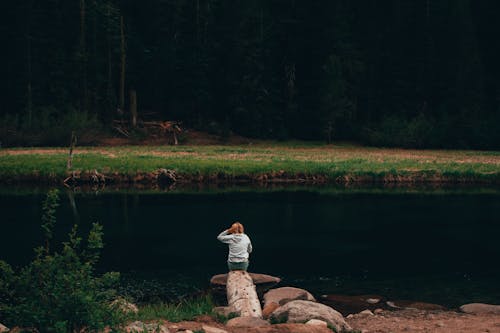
(259, 163)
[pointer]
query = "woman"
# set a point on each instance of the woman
(239, 247)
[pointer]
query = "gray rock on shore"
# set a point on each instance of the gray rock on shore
(139, 326)
(274, 298)
(480, 308)
(303, 311)
(3, 328)
(284, 295)
(220, 280)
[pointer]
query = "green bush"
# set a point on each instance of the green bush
(59, 291)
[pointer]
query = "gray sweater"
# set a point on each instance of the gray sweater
(239, 246)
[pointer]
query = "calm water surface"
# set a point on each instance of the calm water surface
(437, 247)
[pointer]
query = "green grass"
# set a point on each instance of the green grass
(291, 161)
(185, 310)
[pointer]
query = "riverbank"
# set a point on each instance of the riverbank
(261, 163)
(406, 321)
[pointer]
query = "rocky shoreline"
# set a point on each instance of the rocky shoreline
(295, 310)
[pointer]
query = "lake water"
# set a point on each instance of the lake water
(438, 246)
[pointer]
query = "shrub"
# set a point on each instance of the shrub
(58, 291)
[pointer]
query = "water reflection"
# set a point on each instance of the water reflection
(433, 245)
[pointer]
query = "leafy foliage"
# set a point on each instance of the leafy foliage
(59, 291)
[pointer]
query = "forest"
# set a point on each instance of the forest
(399, 73)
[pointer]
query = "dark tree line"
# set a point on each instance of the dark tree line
(391, 72)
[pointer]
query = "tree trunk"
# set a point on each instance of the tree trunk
(241, 295)
(29, 92)
(133, 107)
(122, 70)
(176, 142)
(83, 60)
(72, 144)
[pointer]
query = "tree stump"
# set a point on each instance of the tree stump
(241, 295)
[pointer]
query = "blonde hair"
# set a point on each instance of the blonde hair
(237, 228)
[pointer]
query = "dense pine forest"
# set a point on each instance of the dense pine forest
(380, 72)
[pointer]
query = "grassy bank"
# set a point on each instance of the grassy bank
(251, 163)
(185, 310)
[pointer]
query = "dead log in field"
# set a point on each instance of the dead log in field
(241, 295)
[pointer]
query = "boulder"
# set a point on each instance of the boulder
(268, 309)
(246, 322)
(125, 306)
(220, 280)
(286, 294)
(302, 311)
(3, 328)
(480, 308)
(138, 326)
(317, 322)
(211, 329)
(365, 313)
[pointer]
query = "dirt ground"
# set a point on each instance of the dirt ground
(425, 321)
(402, 321)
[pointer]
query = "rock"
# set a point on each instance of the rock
(287, 328)
(286, 294)
(411, 305)
(125, 306)
(246, 322)
(317, 322)
(302, 311)
(366, 313)
(479, 308)
(138, 326)
(3, 328)
(352, 304)
(258, 279)
(211, 329)
(268, 309)
(378, 311)
(372, 300)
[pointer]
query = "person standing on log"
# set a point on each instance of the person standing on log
(240, 247)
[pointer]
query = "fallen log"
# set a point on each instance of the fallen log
(262, 283)
(241, 295)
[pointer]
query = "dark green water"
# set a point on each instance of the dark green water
(435, 247)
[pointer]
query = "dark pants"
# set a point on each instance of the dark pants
(237, 266)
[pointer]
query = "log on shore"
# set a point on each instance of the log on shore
(262, 283)
(242, 296)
